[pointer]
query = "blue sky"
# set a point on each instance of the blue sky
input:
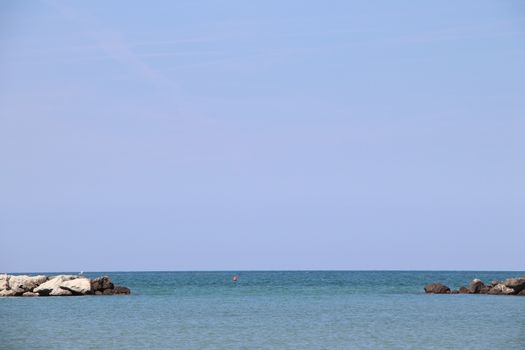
(262, 135)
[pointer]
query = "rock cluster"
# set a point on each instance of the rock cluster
(29, 286)
(104, 286)
(511, 286)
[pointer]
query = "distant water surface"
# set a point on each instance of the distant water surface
(270, 310)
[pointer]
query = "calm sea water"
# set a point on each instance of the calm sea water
(270, 310)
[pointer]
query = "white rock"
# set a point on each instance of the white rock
(52, 287)
(60, 292)
(7, 293)
(30, 294)
(78, 286)
(4, 281)
(22, 283)
(65, 277)
(501, 289)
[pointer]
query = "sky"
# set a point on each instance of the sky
(264, 135)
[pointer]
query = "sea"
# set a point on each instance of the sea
(270, 310)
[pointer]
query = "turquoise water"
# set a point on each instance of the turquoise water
(270, 310)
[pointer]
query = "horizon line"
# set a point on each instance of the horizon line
(268, 270)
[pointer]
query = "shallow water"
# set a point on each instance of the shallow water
(270, 310)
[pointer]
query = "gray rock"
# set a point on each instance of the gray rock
(21, 284)
(522, 293)
(518, 284)
(437, 288)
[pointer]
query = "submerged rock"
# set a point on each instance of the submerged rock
(121, 290)
(437, 288)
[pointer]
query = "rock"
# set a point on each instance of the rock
(518, 284)
(7, 293)
(4, 282)
(437, 288)
(52, 287)
(22, 284)
(28, 286)
(60, 292)
(80, 286)
(511, 286)
(485, 290)
(501, 289)
(121, 290)
(101, 283)
(475, 286)
(108, 292)
(464, 290)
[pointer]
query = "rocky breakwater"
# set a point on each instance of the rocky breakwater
(511, 286)
(61, 285)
